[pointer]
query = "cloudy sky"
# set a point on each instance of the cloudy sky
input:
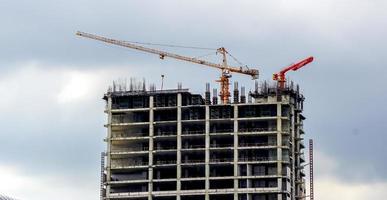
(51, 82)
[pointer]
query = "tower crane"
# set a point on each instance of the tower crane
(280, 76)
(226, 69)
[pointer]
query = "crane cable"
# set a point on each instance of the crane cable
(170, 45)
(189, 47)
(236, 60)
(205, 55)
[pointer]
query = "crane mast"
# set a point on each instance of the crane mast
(224, 67)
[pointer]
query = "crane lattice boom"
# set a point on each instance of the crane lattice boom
(226, 69)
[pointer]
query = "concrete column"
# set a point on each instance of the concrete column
(179, 144)
(279, 149)
(151, 134)
(249, 173)
(207, 153)
(109, 136)
(236, 152)
(295, 148)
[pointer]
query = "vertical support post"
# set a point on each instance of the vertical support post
(207, 153)
(311, 169)
(249, 185)
(279, 148)
(179, 144)
(103, 177)
(151, 147)
(236, 93)
(109, 136)
(236, 184)
(208, 94)
(295, 172)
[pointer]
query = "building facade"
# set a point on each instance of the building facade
(176, 145)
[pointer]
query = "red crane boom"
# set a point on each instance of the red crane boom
(280, 76)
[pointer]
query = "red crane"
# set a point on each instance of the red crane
(280, 76)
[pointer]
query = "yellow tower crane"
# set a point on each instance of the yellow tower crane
(226, 69)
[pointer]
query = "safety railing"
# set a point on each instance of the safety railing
(121, 164)
(165, 147)
(185, 132)
(190, 161)
(221, 145)
(221, 160)
(166, 133)
(192, 146)
(165, 162)
(130, 149)
(257, 144)
(258, 129)
(248, 159)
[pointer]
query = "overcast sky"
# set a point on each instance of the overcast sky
(51, 82)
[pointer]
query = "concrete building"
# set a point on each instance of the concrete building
(173, 144)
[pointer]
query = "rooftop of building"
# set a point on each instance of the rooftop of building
(261, 90)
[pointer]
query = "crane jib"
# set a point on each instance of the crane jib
(225, 94)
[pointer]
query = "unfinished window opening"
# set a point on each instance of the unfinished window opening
(130, 131)
(249, 111)
(165, 115)
(135, 174)
(165, 144)
(190, 128)
(193, 185)
(165, 159)
(264, 196)
(165, 129)
(247, 155)
(257, 169)
(196, 197)
(193, 113)
(264, 183)
(164, 186)
(222, 141)
(129, 162)
(256, 126)
(191, 99)
(193, 171)
(190, 157)
(221, 197)
(129, 146)
(133, 187)
(193, 142)
(221, 170)
(242, 196)
(222, 184)
(257, 140)
(221, 156)
(221, 112)
(130, 102)
(165, 173)
(221, 126)
(165, 100)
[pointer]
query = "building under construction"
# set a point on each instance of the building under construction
(173, 144)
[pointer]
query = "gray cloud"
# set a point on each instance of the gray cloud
(344, 87)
